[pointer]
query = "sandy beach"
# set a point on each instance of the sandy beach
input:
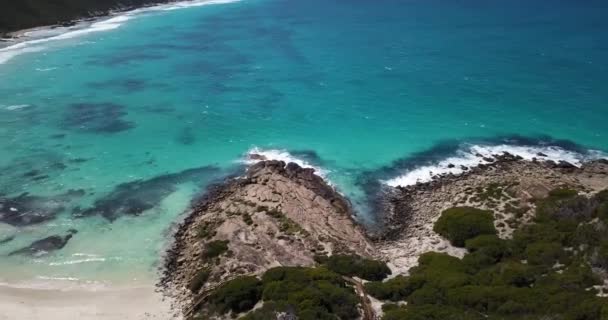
(136, 303)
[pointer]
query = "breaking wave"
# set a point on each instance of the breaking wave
(472, 155)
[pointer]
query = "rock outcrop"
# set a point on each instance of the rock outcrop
(508, 186)
(278, 214)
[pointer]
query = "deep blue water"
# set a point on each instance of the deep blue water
(362, 89)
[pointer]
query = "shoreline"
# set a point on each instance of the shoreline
(19, 41)
(118, 303)
(508, 186)
(260, 216)
(15, 34)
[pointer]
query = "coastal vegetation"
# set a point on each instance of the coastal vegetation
(356, 266)
(34, 13)
(215, 249)
(548, 270)
(462, 223)
(199, 280)
(321, 292)
(308, 293)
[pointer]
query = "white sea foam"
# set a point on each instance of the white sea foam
(282, 155)
(189, 4)
(58, 278)
(46, 35)
(468, 157)
(17, 107)
(10, 52)
(79, 261)
(46, 69)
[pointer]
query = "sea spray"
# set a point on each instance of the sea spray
(470, 156)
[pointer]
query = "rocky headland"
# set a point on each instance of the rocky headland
(508, 186)
(277, 214)
(281, 215)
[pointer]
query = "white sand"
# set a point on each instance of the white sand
(83, 304)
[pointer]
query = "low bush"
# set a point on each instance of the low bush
(356, 266)
(462, 223)
(396, 289)
(238, 295)
(543, 253)
(313, 293)
(215, 249)
(205, 230)
(543, 272)
(199, 280)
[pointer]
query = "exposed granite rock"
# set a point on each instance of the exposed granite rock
(276, 215)
(508, 186)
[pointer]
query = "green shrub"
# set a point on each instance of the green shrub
(314, 293)
(247, 219)
(545, 232)
(462, 223)
(206, 230)
(485, 250)
(600, 257)
(602, 205)
(543, 253)
(562, 193)
(430, 312)
(565, 204)
(396, 289)
(238, 295)
(352, 265)
(492, 282)
(215, 249)
(514, 273)
(199, 279)
(268, 311)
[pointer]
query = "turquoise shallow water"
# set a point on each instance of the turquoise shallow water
(351, 86)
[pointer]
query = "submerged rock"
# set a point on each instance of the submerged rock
(27, 209)
(46, 245)
(186, 136)
(135, 197)
(6, 239)
(96, 118)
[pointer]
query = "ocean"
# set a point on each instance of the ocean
(113, 129)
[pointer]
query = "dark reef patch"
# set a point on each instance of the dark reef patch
(123, 85)
(25, 209)
(78, 160)
(57, 136)
(101, 118)
(159, 109)
(135, 197)
(126, 56)
(6, 239)
(39, 164)
(186, 136)
(46, 245)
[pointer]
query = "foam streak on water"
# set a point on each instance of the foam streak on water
(44, 35)
(473, 155)
(282, 155)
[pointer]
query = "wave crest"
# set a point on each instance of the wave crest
(44, 34)
(473, 155)
(255, 155)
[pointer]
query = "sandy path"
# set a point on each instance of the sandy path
(106, 304)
